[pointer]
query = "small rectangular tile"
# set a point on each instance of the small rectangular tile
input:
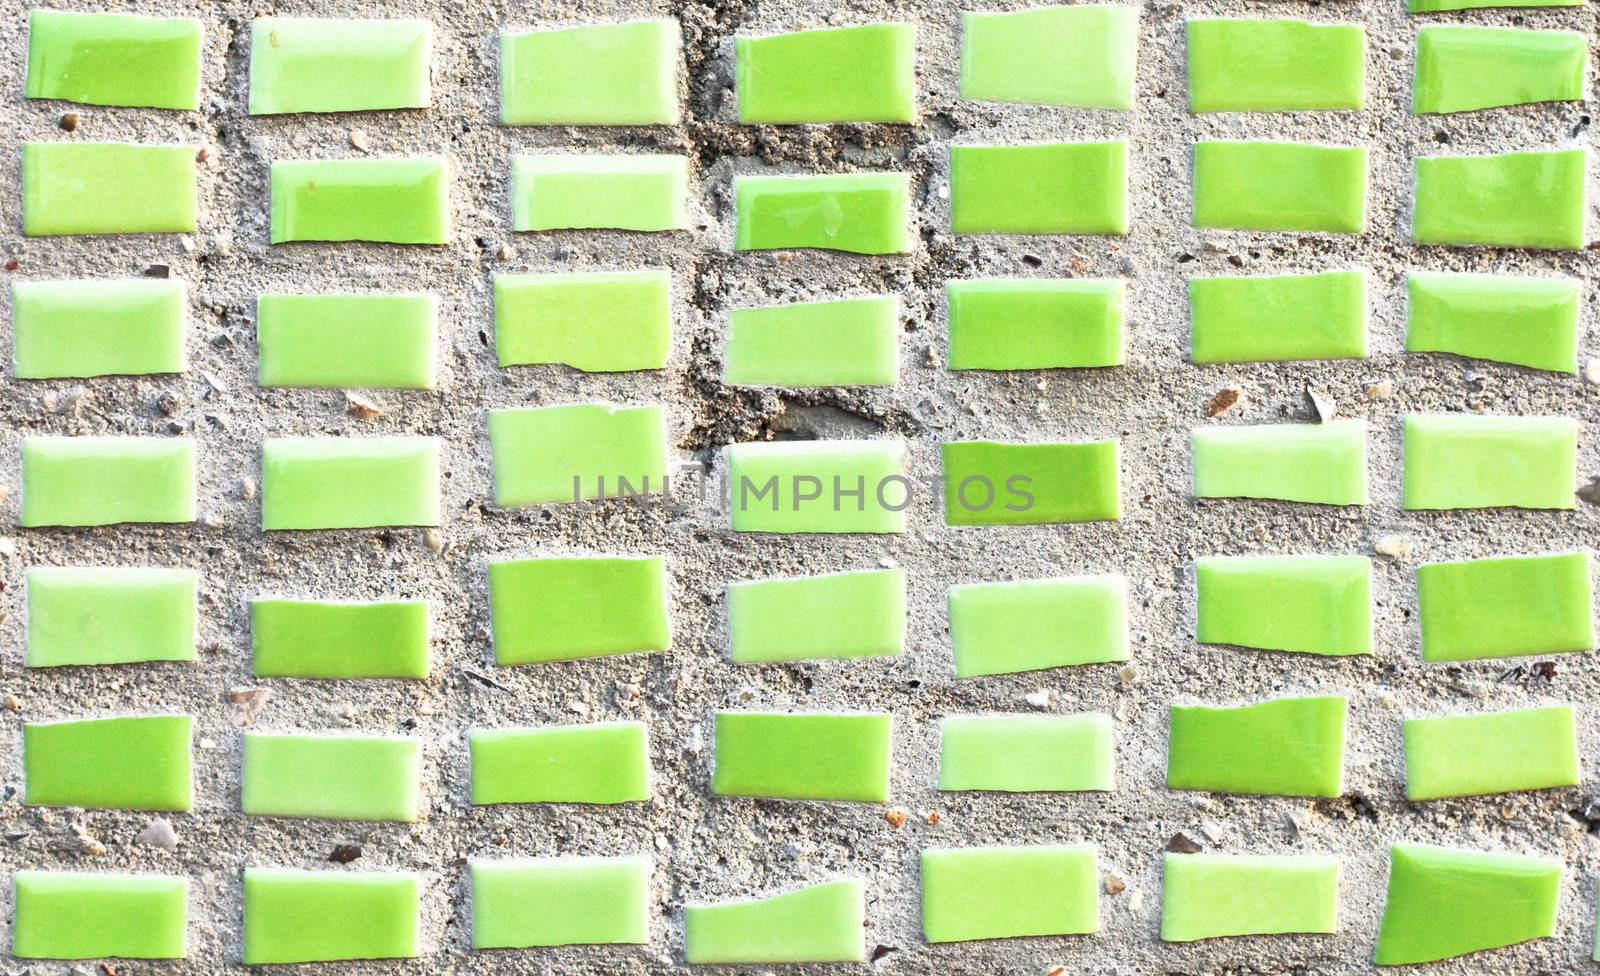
(862, 213)
(1027, 753)
(1483, 461)
(601, 762)
(1527, 321)
(1051, 188)
(329, 916)
(1209, 896)
(559, 901)
(331, 777)
(97, 327)
(560, 608)
(577, 452)
(106, 615)
(599, 191)
(592, 74)
(806, 756)
(1030, 625)
(329, 64)
(1080, 55)
(341, 341)
(1432, 6)
(349, 482)
(864, 73)
(1490, 752)
(989, 483)
(107, 480)
(1462, 69)
(114, 59)
(1508, 606)
(1278, 318)
(598, 322)
(137, 762)
(1305, 604)
(838, 615)
(1321, 464)
(394, 201)
(339, 639)
(843, 342)
(1514, 199)
(1035, 323)
(1280, 747)
(107, 188)
(1443, 902)
(1280, 186)
(973, 893)
(816, 923)
(1257, 64)
(818, 486)
(100, 915)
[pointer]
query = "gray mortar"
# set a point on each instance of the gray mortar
(709, 848)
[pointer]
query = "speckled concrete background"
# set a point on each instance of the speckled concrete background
(709, 848)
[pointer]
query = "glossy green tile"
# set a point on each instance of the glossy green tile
(1207, 896)
(558, 901)
(1444, 902)
(1522, 320)
(845, 342)
(107, 480)
(817, 923)
(394, 201)
(1322, 464)
(593, 74)
(380, 341)
(1478, 461)
(329, 916)
(1280, 747)
(1309, 604)
(1270, 65)
(1278, 318)
(807, 756)
(864, 73)
(818, 486)
(99, 915)
(560, 608)
(1280, 186)
(839, 615)
(1027, 753)
(1035, 323)
(1515, 199)
(137, 762)
(1491, 752)
(105, 615)
(114, 59)
(107, 188)
(863, 213)
(603, 762)
(1080, 55)
(97, 327)
(1004, 628)
(349, 482)
(1461, 69)
(1505, 607)
(1053, 188)
(339, 639)
(1004, 892)
(1428, 6)
(576, 452)
(589, 191)
(599, 322)
(989, 483)
(325, 64)
(331, 777)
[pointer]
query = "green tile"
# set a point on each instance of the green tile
(599, 322)
(817, 923)
(558, 901)
(576, 452)
(807, 756)
(1461, 69)
(1322, 464)
(331, 777)
(114, 59)
(989, 483)
(1052, 188)
(1308, 604)
(138, 762)
(1207, 896)
(107, 188)
(1278, 318)
(380, 341)
(349, 482)
(1280, 186)
(1505, 607)
(847, 342)
(107, 480)
(560, 609)
(865, 73)
(1444, 902)
(863, 213)
(1262, 65)
(1027, 753)
(818, 486)
(317, 64)
(1005, 628)
(97, 327)
(99, 915)
(1515, 199)
(1081, 55)
(1004, 892)
(105, 615)
(1281, 747)
(594, 74)
(1427, 6)
(339, 639)
(1492, 752)
(395, 201)
(604, 762)
(589, 191)
(329, 916)
(1477, 461)
(1510, 319)
(1035, 323)
(839, 615)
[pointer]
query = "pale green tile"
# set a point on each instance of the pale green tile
(1278, 318)
(107, 188)
(805, 756)
(1482, 461)
(602, 762)
(839, 615)
(1490, 752)
(136, 762)
(327, 64)
(586, 191)
(329, 916)
(393, 201)
(1280, 186)
(560, 608)
(1523, 320)
(107, 480)
(372, 340)
(349, 482)
(107, 615)
(817, 923)
(599, 322)
(100, 915)
(844, 342)
(339, 639)
(864, 73)
(576, 452)
(592, 74)
(1208, 896)
(862, 213)
(1306, 604)
(1003, 628)
(1035, 323)
(1027, 753)
(1281, 747)
(1081, 55)
(114, 59)
(1322, 464)
(818, 486)
(97, 327)
(558, 901)
(1004, 892)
